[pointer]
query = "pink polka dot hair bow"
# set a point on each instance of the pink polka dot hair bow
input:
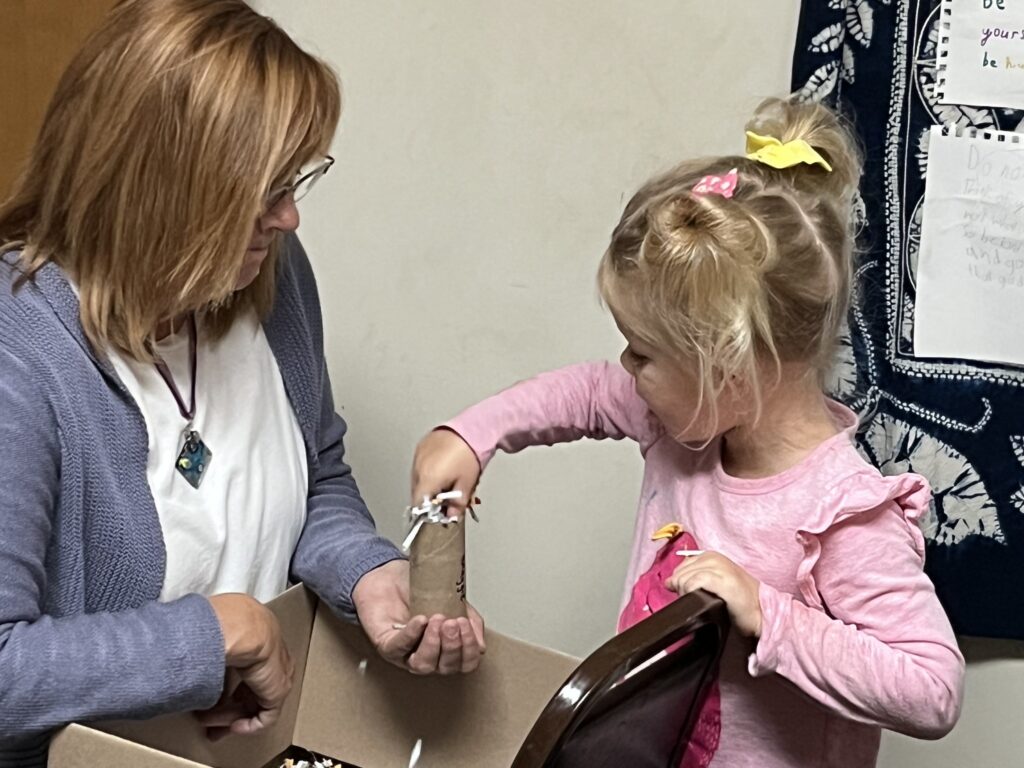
(713, 184)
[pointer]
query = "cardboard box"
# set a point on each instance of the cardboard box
(370, 715)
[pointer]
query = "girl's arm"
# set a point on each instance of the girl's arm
(889, 656)
(595, 400)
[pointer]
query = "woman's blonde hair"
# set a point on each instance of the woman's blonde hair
(155, 157)
(730, 284)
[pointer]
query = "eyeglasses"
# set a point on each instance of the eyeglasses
(300, 187)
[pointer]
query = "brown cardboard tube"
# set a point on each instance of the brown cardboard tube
(437, 570)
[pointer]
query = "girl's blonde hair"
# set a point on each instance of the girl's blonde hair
(732, 284)
(156, 154)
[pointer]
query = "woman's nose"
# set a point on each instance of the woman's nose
(283, 217)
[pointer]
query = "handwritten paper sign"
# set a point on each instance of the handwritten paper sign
(981, 53)
(970, 275)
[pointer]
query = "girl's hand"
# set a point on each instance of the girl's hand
(722, 577)
(444, 462)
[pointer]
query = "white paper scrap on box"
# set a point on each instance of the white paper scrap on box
(981, 53)
(970, 272)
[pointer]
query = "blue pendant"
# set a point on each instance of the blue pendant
(193, 459)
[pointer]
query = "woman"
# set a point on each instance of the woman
(172, 454)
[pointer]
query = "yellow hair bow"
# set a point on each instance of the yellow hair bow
(667, 531)
(771, 151)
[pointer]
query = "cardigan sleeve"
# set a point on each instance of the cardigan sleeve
(339, 543)
(140, 662)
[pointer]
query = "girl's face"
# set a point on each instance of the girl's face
(671, 390)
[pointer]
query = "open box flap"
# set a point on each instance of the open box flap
(368, 715)
(79, 746)
(373, 714)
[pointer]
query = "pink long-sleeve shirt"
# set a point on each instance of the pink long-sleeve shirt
(853, 637)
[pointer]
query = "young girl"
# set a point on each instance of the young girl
(729, 278)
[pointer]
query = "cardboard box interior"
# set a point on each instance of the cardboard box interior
(351, 705)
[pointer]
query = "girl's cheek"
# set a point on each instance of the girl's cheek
(640, 383)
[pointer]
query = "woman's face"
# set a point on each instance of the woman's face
(283, 217)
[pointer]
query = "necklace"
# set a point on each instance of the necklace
(195, 456)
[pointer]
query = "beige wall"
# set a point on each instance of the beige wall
(485, 153)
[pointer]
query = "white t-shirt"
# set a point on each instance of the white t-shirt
(237, 531)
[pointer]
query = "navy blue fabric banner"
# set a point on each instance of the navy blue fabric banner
(959, 423)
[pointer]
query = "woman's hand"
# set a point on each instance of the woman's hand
(444, 462)
(260, 669)
(421, 645)
(720, 576)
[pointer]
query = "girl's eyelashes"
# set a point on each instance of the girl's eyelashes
(637, 358)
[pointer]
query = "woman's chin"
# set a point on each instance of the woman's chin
(246, 278)
(250, 268)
